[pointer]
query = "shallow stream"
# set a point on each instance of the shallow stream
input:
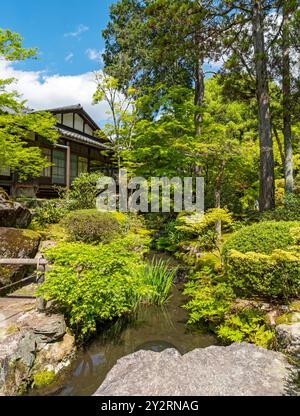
(153, 328)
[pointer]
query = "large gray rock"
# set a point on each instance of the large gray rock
(31, 343)
(238, 370)
(16, 243)
(13, 214)
(17, 355)
(46, 328)
(288, 339)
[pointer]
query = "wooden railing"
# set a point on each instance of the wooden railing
(40, 264)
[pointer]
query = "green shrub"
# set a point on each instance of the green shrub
(249, 325)
(159, 277)
(211, 299)
(289, 212)
(91, 226)
(95, 284)
(206, 238)
(170, 236)
(275, 276)
(83, 193)
(263, 238)
(51, 212)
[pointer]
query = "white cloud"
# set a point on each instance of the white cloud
(80, 29)
(94, 54)
(69, 57)
(43, 91)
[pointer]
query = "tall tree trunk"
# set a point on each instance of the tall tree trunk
(277, 138)
(267, 183)
(286, 91)
(199, 93)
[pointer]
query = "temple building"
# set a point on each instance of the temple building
(77, 150)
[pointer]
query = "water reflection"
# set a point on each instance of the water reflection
(153, 328)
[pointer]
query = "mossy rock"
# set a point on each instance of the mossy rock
(43, 379)
(13, 214)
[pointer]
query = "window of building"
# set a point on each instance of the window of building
(68, 119)
(46, 172)
(59, 167)
(78, 123)
(82, 165)
(88, 130)
(58, 117)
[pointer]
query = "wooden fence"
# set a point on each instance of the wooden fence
(40, 264)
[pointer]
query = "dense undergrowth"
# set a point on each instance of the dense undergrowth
(100, 274)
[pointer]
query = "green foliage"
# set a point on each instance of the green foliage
(289, 212)
(83, 193)
(95, 284)
(92, 226)
(212, 303)
(160, 146)
(197, 223)
(50, 212)
(203, 228)
(263, 260)
(210, 259)
(249, 325)
(14, 129)
(159, 277)
(263, 238)
(17, 124)
(211, 299)
(170, 236)
(122, 112)
(11, 46)
(275, 276)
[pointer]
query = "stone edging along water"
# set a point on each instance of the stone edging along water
(238, 370)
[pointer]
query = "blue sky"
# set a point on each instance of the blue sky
(68, 37)
(67, 34)
(63, 32)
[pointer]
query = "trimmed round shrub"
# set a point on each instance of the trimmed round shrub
(263, 238)
(91, 226)
(275, 276)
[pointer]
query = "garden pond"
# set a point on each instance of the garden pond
(152, 328)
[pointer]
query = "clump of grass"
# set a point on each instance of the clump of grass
(159, 277)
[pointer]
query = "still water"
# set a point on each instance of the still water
(153, 328)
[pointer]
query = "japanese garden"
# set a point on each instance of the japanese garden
(153, 301)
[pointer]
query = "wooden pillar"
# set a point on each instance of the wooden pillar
(68, 166)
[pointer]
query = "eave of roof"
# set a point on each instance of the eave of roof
(80, 138)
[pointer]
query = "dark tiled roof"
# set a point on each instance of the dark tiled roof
(81, 138)
(66, 108)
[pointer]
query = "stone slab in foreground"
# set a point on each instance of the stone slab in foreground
(238, 370)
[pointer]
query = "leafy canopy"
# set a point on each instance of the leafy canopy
(17, 124)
